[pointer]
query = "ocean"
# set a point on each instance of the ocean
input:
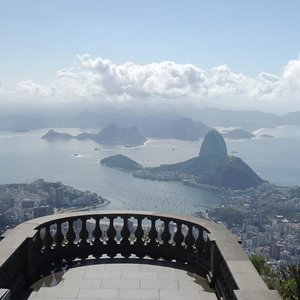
(25, 157)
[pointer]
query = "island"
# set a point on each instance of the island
(121, 162)
(238, 133)
(111, 134)
(267, 136)
(211, 168)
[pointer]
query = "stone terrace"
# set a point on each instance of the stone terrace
(92, 244)
(123, 281)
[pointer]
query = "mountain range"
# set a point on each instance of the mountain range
(111, 134)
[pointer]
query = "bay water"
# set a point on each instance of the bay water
(25, 157)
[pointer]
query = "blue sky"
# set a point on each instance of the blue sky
(38, 38)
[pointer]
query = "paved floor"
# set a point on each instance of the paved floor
(123, 281)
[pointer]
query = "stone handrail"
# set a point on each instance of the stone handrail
(210, 249)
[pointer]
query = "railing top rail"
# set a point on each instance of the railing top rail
(206, 225)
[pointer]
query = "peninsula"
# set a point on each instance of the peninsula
(212, 167)
(238, 133)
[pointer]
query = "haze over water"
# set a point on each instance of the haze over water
(25, 157)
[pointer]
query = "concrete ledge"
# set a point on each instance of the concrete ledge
(257, 295)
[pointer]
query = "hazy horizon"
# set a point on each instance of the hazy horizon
(240, 56)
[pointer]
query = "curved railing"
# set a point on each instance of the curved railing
(64, 238)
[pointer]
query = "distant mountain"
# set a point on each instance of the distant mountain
(151, 126)
(130, 137)
(163, 122)
(122, 162)
(292, 118)
(181, 129)
(238, 134)
(52, 135)
(249, 120)
(212, 167)
(112, 134)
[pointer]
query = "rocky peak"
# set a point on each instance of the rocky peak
(213, 144)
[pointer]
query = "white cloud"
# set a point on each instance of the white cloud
(34, 89)
(165, 79)
(291, 80)
(100, 79)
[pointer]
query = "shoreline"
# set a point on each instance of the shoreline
(85, 208)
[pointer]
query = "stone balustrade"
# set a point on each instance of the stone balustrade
(197, 244)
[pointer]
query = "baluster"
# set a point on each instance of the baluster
(166, 235)
(200, 242)
(97, 243)
(71, 235)
(125, 234)
(178, 236)
(59, 237)
(48, 239)
(97, 233)
(153, 234)
(139, 233)
(38, 242)
(111, 234)
(189, 239)
(206, 249)
(71, 245)
(153, 243)
(83, 234)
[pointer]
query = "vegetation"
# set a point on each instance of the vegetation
(228, 215)
(121, 162)
(287, 281)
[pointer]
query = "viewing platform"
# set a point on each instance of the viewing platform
(126, 255)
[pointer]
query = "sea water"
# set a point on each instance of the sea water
(25, 157)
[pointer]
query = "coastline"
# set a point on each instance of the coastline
(85, 208)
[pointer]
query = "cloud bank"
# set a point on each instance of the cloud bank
(101, 80)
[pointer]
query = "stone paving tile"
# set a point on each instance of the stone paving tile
(120, 284)
(57, 292)
(156, 268)
(75, 299)
(174, 276)
(38, 298)
(98, 293)
(103, 274)
(81, 283)
(189, 284)
(144, 294)
(207, 296)
(179, 295)
(159, 284)
(74, 273)
(139, 275)
(122, 267)
(97, 267)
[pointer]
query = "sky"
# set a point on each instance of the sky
(235, 54)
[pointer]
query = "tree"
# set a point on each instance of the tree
(269, 276)
(290, 282)
(260, 265)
